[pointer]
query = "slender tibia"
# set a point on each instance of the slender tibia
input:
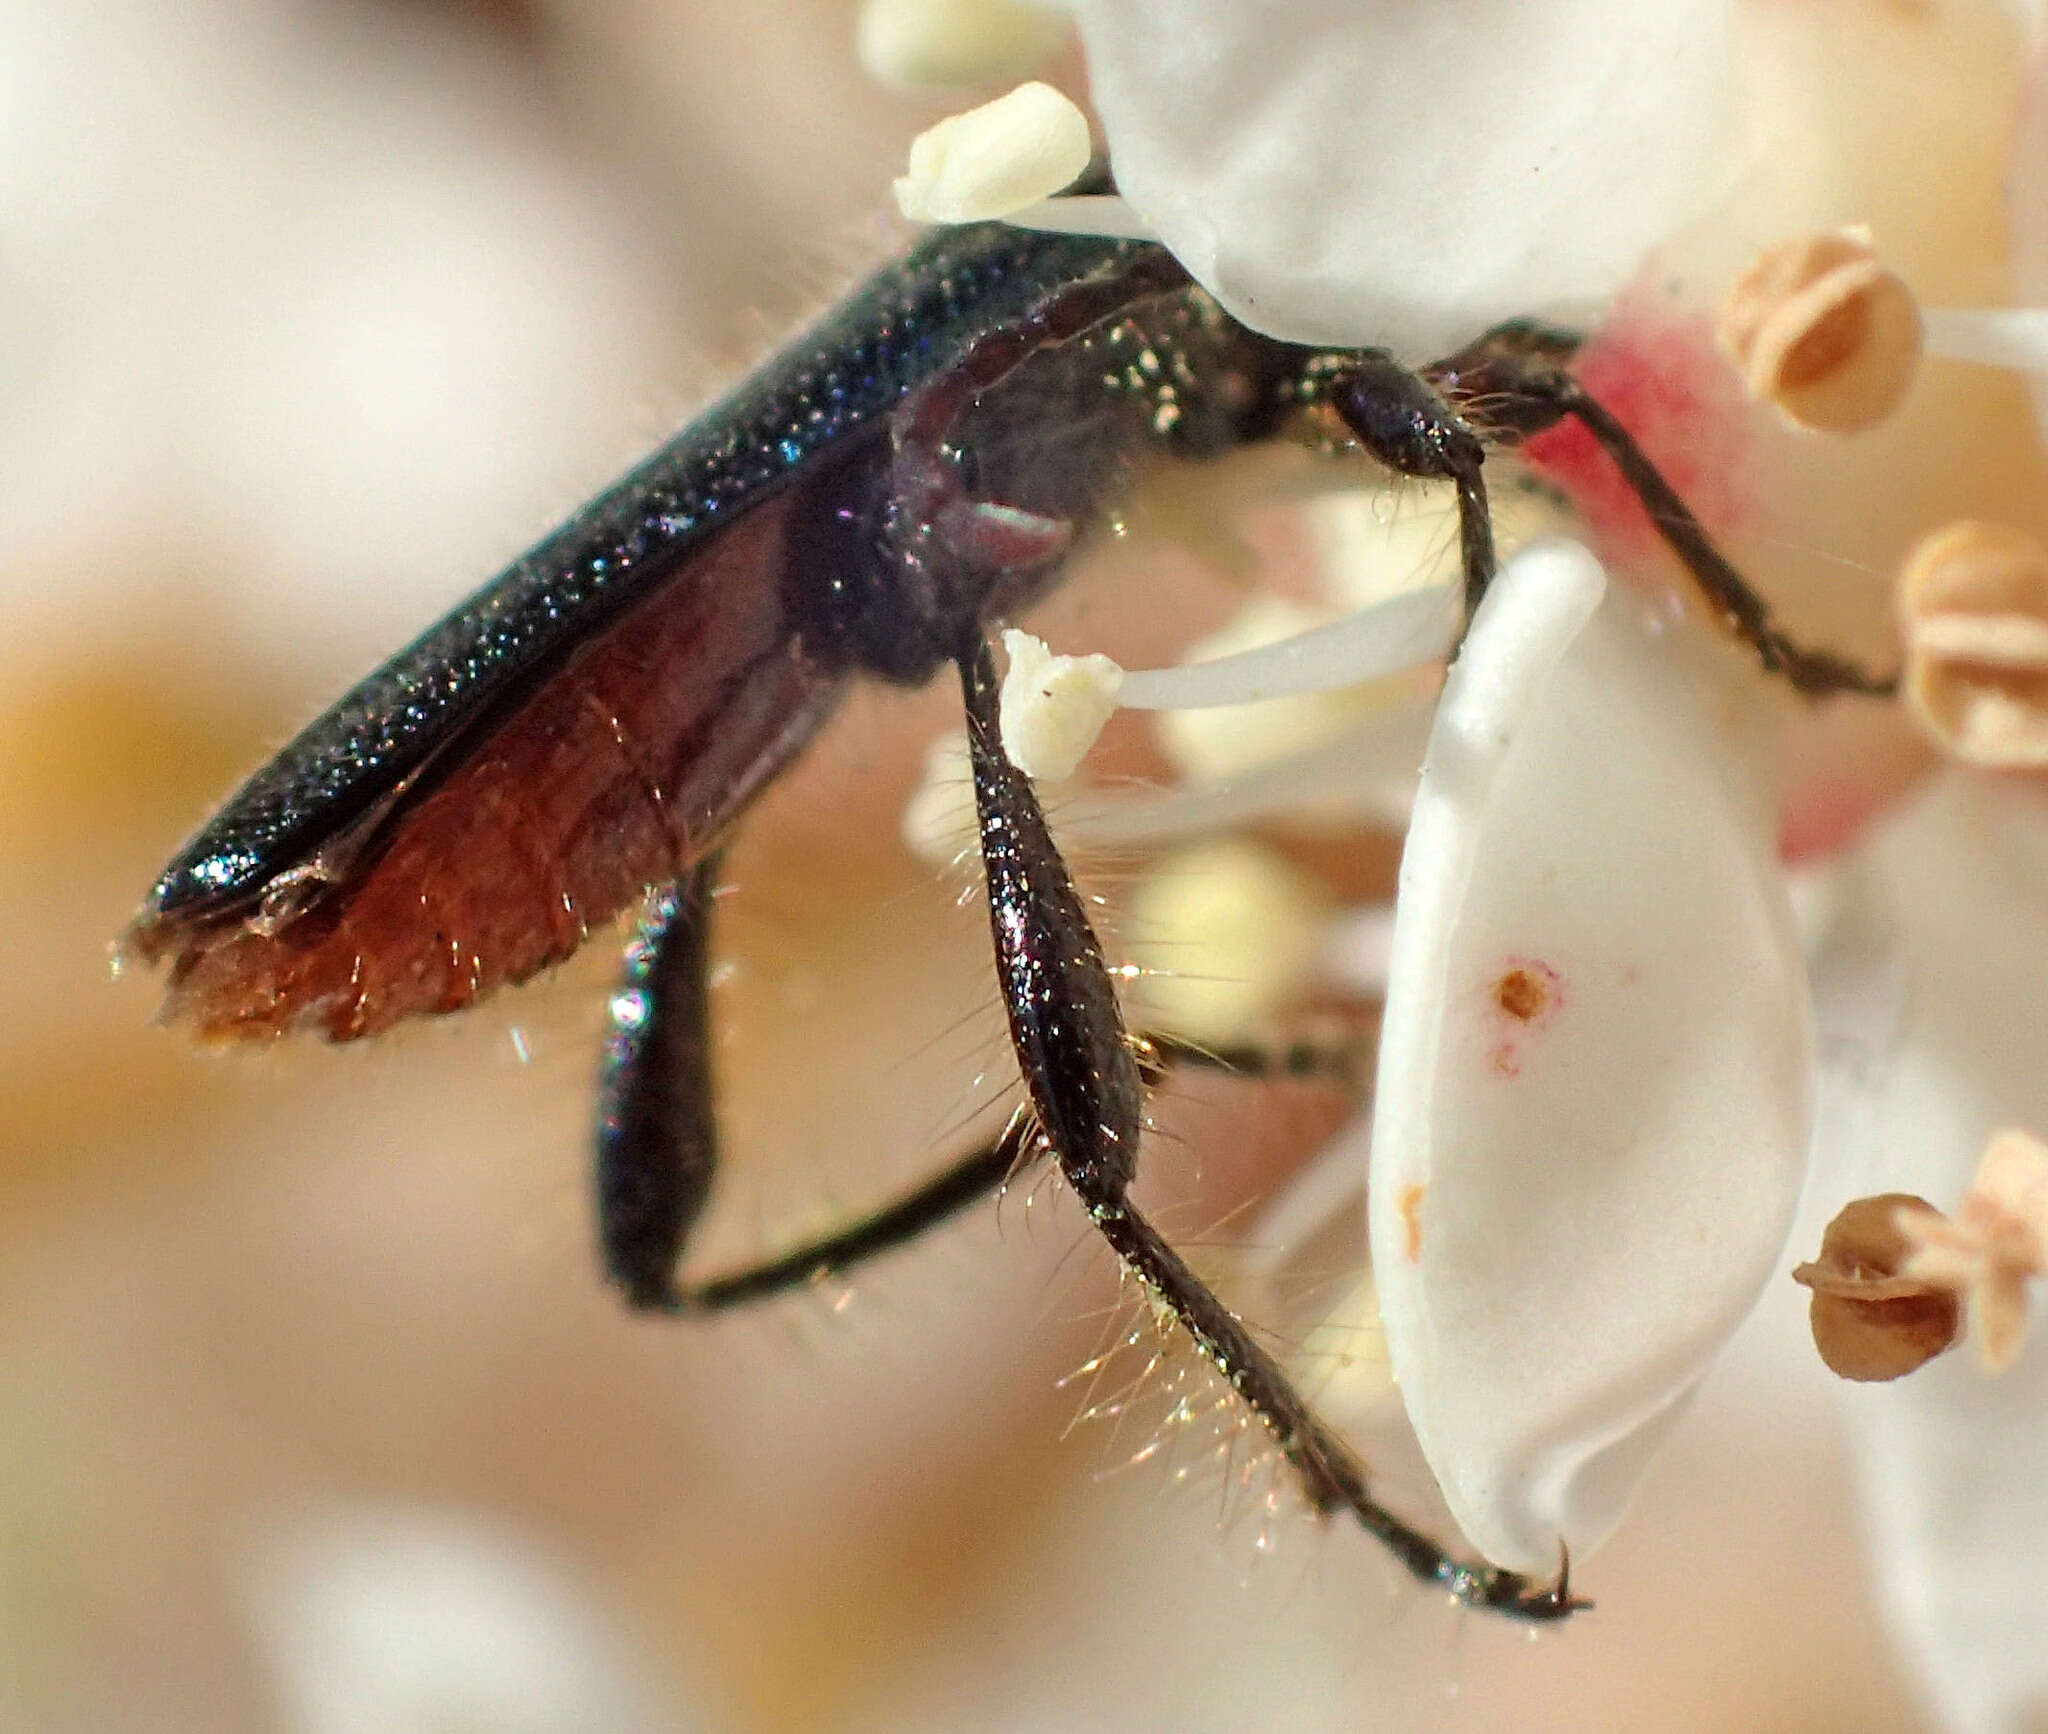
(1086, 1084)
(977, 1175)
(1811, 671)
(1331, 1474)
(982, 1173)
(1512, 384)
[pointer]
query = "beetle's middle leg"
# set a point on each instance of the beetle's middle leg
(1087, 1090)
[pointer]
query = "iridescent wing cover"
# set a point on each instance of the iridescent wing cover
(589, 723)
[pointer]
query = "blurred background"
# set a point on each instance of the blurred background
(314, 1414)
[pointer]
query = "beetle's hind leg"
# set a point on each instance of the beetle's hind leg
(656, 1157)
(1514, 383)
(657, 1129)
(986, 1170)
(657, 1132)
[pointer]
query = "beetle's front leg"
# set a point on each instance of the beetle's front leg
(1515, 383)
(1401, 419)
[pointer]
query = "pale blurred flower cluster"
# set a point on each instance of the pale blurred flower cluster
(312, 1411)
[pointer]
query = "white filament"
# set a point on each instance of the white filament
(1412, 627)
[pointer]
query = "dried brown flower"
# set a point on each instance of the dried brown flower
(1870, 1320)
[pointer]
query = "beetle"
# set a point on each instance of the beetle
(583, 733)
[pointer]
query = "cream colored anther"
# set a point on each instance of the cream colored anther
(1973, 609)
(1823, 332)
(1053, 707)
(995, 159)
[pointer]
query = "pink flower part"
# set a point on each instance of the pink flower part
(1665, 379)
(1827, 820)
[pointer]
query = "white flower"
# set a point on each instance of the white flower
(1591, 1120)
(408, 1620)
(1931, 983)
(1404, 172)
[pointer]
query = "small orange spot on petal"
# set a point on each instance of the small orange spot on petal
(1527, 993)
(1411, 1221)
(1521, 994)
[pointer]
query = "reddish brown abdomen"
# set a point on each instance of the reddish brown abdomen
(617, 774)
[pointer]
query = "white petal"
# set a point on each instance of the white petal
(1593, 1100)
(1937, 966)
(1405, 172)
